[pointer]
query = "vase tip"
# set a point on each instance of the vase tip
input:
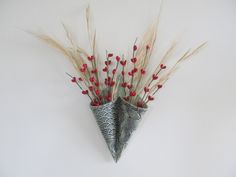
(116, 157)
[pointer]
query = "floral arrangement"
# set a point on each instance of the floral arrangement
(119, 87)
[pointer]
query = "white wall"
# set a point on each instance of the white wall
(46, 127)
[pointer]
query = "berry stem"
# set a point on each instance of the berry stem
(140, 78)
(144, 98)
(132, 78)
(156, 75)
(96, 74)
(133, 55)
(94, 66)
(159, 88)
(108, 69)
(117, 63)
(78, 85)
(123, 70)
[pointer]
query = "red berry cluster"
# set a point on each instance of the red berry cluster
(90, 80)
(148, 93)
(102, 92)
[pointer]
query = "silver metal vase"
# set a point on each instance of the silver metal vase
(129, 117)
(106, 117)
(117, 121)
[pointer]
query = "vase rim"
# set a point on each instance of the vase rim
(132, 105)
(108, 103)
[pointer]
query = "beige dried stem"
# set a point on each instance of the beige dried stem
(149, 39)
(57, 45)
(188, 54)
(92, 40)
(142, 55)
(73, 52)
(73, 42)
(167, 55)
(115, 89)
(79, 54)
(91, 30)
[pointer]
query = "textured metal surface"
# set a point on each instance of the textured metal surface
(117, 122)
(129, 117)
(106, 117)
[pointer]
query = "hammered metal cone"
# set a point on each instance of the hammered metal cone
(129, 116)
(106, 117)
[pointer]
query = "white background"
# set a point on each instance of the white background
(46, 127)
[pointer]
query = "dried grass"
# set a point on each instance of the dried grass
(78, 56)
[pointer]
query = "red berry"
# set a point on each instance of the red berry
(123, 62)
(92, 79)
(108, 62)
(124, 84)
(134, 70)
(94, 71)
(95, 103)
(82, 70)
(85, 65)
(163, 66)
(110, 55)
(147, 47)
(90, 88)
(130, 73)
(85, 92)
(113, 71)
(96, 84)
(108, 98)
(129, 86)
(73, 79)
(142, 71)
(97, 92)
(112, 83)
(159, 86)
(100, 97)
(81, 79)
(107, 80)
(146, 89)
(91, 58)
(154, 77)
(123, 73)
(134, 60)
(105, 69)
(150, 98)
(140, 104)
(132, 93)
(135, 48)
(117, 58)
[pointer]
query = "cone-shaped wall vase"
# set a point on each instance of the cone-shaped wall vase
(117, 122)
(129, 117)
(106, 117)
